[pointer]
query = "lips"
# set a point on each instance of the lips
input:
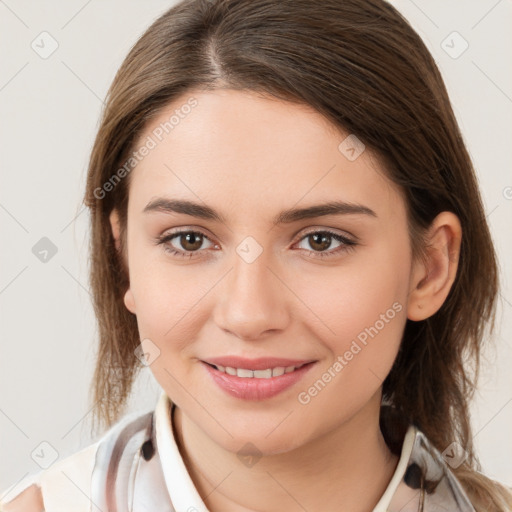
(254, 387)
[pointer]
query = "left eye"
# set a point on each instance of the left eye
(322, 240)
(191, 242)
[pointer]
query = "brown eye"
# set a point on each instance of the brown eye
(190, 241)
(321, 241)
(184, 243)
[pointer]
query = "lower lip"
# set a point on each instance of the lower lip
(253, 388)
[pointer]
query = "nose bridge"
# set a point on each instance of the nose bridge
(253, 299)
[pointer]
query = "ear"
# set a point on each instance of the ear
(432, 279)
(115, 225)
(116, 228)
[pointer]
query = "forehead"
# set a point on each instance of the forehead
(235, 149)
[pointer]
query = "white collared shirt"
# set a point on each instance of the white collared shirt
(77, 483)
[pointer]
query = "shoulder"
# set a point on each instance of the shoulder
(68, 483)
(63, 477)
(29, 500)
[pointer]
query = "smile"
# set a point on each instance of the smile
(257, 374)
(261, 384)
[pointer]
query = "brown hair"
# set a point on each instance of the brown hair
(361, 65)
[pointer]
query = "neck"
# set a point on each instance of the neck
(349, 468)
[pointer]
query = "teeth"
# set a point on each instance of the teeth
(263, 374)
(240, 372)
(276, 372)
(257, 374)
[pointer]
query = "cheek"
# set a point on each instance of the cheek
(362, 308)
(348, 298)
(167, 297)
(367, 327)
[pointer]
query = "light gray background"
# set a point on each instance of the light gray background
(49, 112)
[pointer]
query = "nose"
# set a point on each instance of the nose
(253, 301)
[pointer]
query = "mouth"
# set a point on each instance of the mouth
(256, 384)
(266, 373)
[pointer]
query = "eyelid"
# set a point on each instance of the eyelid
(296, 237)
(186, 229)
(335, 231)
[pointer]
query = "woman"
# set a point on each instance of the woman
(287, 229)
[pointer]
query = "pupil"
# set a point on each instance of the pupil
(194, 238)
(323, 243)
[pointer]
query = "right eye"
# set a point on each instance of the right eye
(189, 240)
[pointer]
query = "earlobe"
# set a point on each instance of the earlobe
(432, 279)
(129, 301)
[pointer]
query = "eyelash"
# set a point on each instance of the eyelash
(348, 244)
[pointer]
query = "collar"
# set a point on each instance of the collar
(422, 481)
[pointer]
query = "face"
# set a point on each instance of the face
(242, 275)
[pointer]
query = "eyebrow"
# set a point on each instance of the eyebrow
(165, 205)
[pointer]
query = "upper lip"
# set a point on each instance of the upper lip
(261, 363)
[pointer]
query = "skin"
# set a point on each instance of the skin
(249, 157)
(30, 500)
